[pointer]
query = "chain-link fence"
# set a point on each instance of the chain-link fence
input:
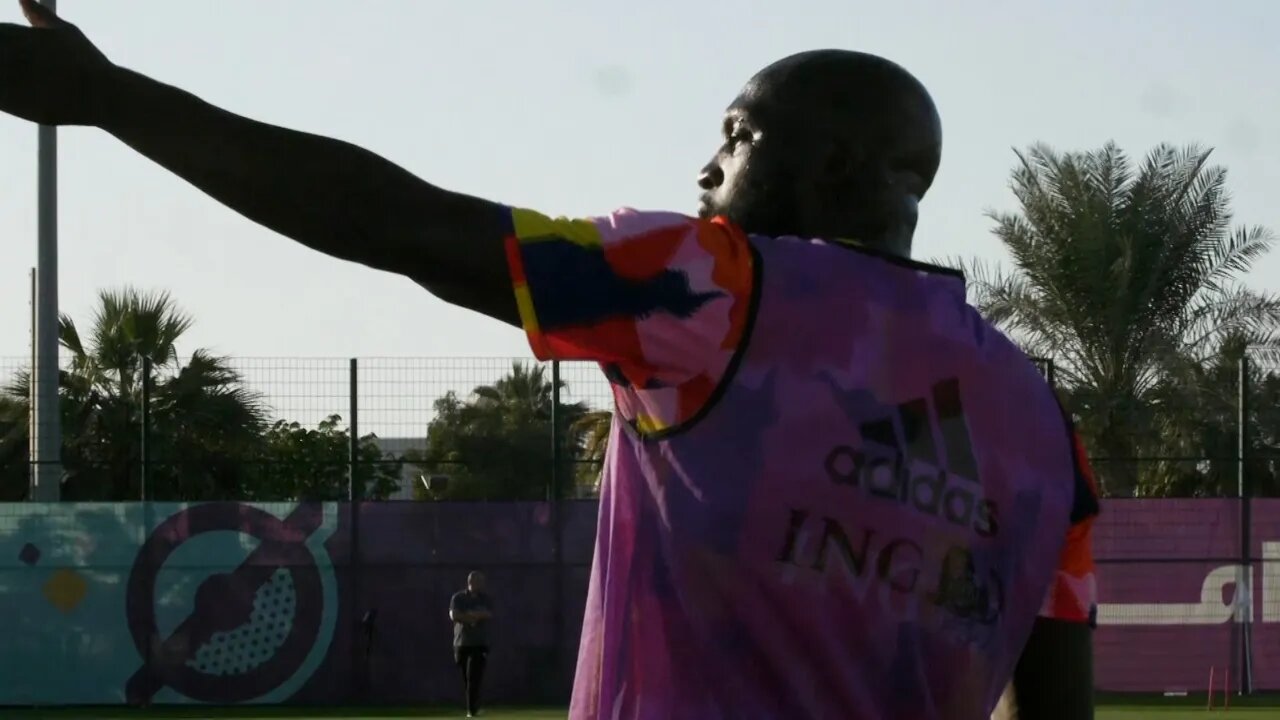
(271, 429)
(1218, 437)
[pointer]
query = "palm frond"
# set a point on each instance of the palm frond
(1129, 278)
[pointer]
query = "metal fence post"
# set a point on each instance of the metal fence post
(557, 536)
(1244, 587)
(553, 490)
(355, 493)
(354, 488)
(144, 452)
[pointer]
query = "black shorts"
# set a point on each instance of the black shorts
(460, 654)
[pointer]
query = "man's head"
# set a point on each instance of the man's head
(475, 581)
(830, 144)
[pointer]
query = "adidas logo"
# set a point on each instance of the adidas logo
(921, 457)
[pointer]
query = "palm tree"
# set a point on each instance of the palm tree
(523, 394)
(14, 465)
(1130, 279)
(204, 425)
(593, 430)
(497, 444)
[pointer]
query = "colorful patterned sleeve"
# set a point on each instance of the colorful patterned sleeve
(1074, 594)
(659, 299)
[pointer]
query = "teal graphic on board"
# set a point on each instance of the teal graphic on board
(164, 603)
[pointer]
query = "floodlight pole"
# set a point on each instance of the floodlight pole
(46, 430)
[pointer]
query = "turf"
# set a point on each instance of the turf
(272, 713)
(1184, 713)
(1124, 711)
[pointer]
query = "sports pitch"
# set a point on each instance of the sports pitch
(1186, 709)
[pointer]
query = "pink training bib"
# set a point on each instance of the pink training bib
(862, 524)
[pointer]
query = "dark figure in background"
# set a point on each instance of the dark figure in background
(691, 317)
(470, 610)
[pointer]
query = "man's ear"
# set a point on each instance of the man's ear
(906, 182)
(847, 166)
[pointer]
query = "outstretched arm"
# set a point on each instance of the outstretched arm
(326, 194)
(329, 195)
(649, 293)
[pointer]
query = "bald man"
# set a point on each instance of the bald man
(833, 490)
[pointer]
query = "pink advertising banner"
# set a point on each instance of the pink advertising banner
(1175, 602)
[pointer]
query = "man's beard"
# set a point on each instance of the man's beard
(763, 210)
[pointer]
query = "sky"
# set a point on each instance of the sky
(577, 108)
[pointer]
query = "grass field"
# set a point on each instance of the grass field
(1164, 712)
(1120, 709)
(1129, 707)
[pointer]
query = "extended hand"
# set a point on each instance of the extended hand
(50, 73)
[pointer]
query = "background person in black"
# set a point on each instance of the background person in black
(470, 610)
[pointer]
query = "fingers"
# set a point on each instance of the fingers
(39, 16)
